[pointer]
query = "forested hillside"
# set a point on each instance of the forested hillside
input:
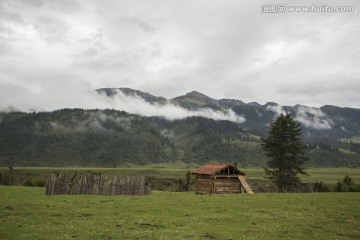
(201, 140)
(80, 138)
(109, 138)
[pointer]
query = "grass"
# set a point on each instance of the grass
(352, 139)
(178, 171)
(331, 175)
(27, 213)
(346, 151)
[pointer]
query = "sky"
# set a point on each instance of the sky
(54, 53)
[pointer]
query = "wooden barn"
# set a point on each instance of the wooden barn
(220, 178)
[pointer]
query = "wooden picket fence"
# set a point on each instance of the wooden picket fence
(97, 185)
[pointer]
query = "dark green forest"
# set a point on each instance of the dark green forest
(80, 138)
(110, 138)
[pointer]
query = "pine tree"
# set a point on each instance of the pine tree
(286, 153)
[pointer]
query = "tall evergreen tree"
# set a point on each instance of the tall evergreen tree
(286, 153)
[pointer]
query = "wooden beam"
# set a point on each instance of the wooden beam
(228, 176)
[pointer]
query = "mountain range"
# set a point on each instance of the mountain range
(317, 123)
(225, 130)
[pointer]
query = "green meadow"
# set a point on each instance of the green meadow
(27, 213)
(178, 171)
(166, 176)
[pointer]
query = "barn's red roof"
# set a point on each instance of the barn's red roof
(213, 168)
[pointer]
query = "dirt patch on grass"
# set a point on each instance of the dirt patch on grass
(9, 207)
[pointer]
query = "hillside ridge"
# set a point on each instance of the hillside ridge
(111, 138)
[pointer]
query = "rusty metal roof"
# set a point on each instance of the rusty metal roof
(213, 168)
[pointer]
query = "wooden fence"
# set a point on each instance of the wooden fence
(97, 185)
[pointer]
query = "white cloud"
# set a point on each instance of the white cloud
(276, 109)
(59, 98)
(312, 118)
(94, 121)
(170, 111)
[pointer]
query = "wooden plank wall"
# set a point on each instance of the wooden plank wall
(204, 185)
(97, 185)
(227, 185)
(219, 185)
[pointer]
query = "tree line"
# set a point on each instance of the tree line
(109, 138)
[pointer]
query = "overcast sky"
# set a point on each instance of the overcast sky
(57, 50)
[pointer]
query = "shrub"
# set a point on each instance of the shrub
(321, 187)
(347, 185)
(8, 179)
(40, 183)
(29, 182)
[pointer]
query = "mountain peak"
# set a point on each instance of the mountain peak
(230, 102)
(254, 104)
(274, 104)
(198, 95)
(133, 93)
(194, 100)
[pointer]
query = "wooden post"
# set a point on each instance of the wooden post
(214, 190)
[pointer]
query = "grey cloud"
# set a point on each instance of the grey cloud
(8, 20)
(221, 48)
(10, 17)
(65, 6)
(92, 45)
(5, 31)
(51, 29)
(105, 62)
(138, 22)
(329, 89)
(36, 3)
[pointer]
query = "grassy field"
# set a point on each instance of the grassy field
(165, 176)
(27, 213)
(331, 175)
(353, 139)
(176, 171)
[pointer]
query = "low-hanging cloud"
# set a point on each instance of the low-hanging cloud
(137, 105)
(308, 116)
(313, 118)
(95, 121)
(277, 109)
(16, 98)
